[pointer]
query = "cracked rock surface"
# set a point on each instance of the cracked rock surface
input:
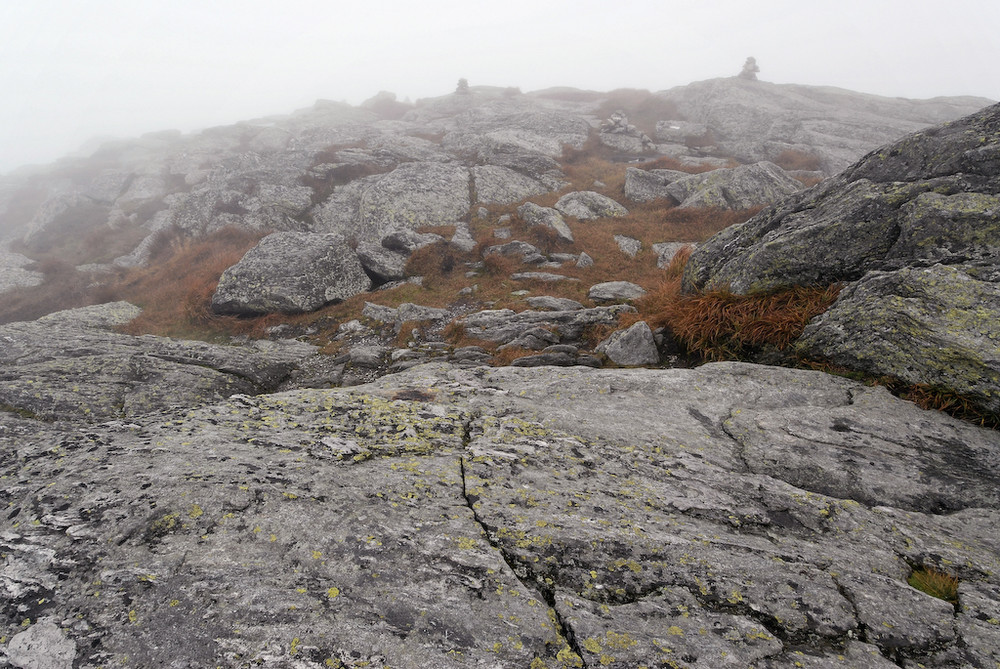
(507, 517)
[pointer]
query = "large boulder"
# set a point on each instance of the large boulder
(382, 264)
(633, 346)
(499, 185)
(615, 291)
(14, 272)
(730, 515)
(917, 225)
(548, 217)
(410, 196)
(648, 185)
(936, 326)
(740, 187)
(586, 205)
(291, 272)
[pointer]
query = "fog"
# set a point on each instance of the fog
(71, 71)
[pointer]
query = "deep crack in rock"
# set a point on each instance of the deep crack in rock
(521, 571)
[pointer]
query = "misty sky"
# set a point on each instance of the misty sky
(71, 70)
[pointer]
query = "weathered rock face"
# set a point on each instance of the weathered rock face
(934, 325)
(758, 120)
(13, 272)
(412, 195)
(495, 184)
(504, 517)
(740, 187)
(534, 214)
(634, 346)
(71, 364)
(917, 225)
(586, 205)
(291, 272)
(649, 185)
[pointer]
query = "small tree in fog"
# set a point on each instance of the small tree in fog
(750, 69)
(463, 86)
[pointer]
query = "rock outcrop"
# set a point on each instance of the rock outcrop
(732, 515)
(758, 120)
(587, 205)
(14, 272)
(291, 272)
(72, 364)
(914, 229)
(740, 187)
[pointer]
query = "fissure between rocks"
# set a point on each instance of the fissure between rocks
(524, 575)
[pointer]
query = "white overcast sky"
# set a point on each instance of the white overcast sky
(71, 70)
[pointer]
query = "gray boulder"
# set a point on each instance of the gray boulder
(495, 184)
(406, 312)
(544, 277)
(416, 194)
(587, 205)
(615, 291)
(936, 326)
(291, 272)
(13, 272)
(462, 239)
(407, 241)
(412, 195)
(630, 246)
(549, 303)
(631, 347)
(650, 185)
(380, 263)
(523, 251)
(665, 251)
(534, 214)
(740, 187)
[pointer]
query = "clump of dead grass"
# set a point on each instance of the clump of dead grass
(719, 325)
(175, 292)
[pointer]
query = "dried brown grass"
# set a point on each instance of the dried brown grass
(176, 292)
(792, 159)
(719, 325)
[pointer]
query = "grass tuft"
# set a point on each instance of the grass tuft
(935, 583)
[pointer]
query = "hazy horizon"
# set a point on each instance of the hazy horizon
(73, 72)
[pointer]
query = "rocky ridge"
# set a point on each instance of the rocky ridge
(913, 231)
(732, 515)
(173, 503)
